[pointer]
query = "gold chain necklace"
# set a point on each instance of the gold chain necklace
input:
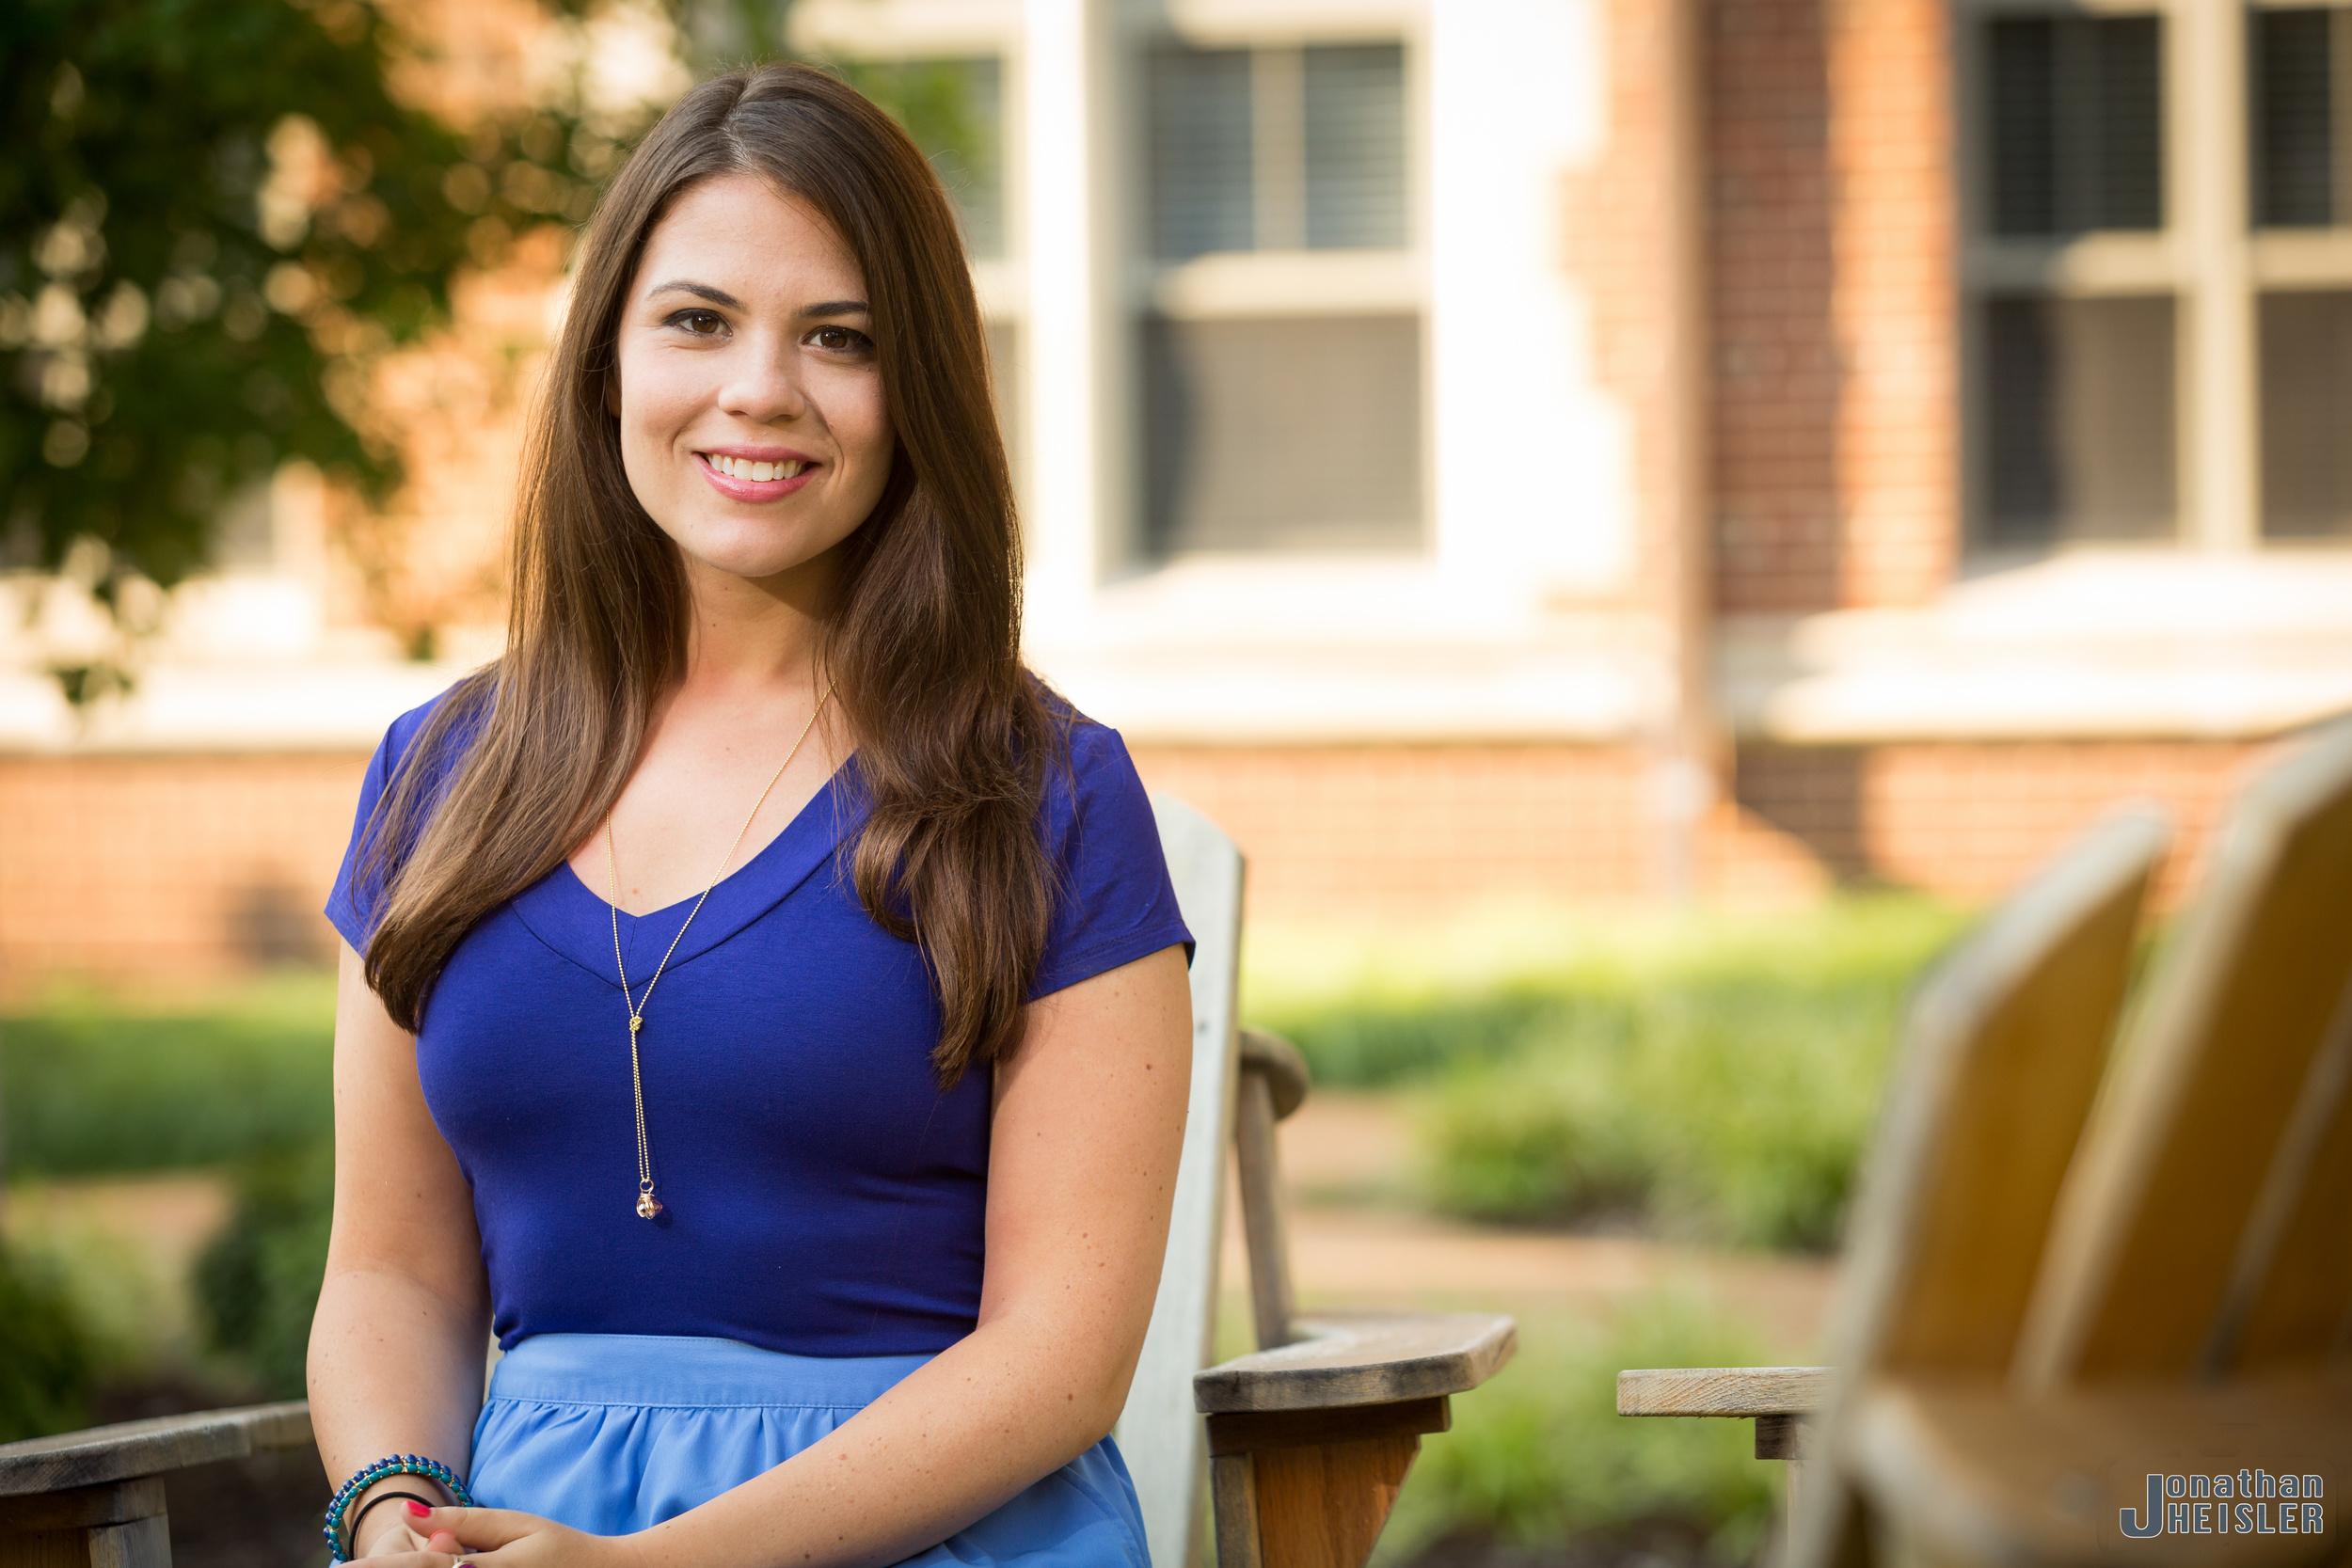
(647, 1205)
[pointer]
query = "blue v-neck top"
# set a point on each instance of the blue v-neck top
(822, 1196)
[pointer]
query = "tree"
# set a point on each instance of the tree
(212, 215)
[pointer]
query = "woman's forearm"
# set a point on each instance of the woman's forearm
(1012, 1401)
(395, 1368)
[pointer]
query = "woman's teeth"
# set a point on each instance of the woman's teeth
(735, 467)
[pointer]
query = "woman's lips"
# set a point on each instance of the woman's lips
(754, 490)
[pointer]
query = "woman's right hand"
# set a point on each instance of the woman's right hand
(389, 1530)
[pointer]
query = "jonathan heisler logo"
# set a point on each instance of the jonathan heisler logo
(2251, 1502)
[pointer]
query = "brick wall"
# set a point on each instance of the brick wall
(1831, 248)
(168, 872)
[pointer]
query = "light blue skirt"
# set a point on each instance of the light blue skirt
(614, 1432)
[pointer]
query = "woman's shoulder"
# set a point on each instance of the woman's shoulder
(464, 701)
(1087, 758)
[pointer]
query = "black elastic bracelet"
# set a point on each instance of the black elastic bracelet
(351, 1531)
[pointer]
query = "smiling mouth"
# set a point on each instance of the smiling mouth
(741, 468)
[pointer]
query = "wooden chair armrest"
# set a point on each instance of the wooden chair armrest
(1721, 1390)
(130, 1450)
(1358, 1358)
(1975, 1473)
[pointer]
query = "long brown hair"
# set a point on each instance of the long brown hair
(922, 648)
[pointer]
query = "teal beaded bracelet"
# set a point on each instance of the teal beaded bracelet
(396, 1465)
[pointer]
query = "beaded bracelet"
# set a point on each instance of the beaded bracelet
(396, 1465)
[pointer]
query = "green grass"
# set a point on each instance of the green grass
(1539, 1455)
(1710, 1076)
(91, 1086)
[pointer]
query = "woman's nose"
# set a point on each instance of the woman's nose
(763, 384)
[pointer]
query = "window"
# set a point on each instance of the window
(2124, 316)
(2076, 123)
(2074, 389)
(2300, 63)
(1273, 419)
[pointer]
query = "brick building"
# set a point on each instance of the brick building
(1480, 449)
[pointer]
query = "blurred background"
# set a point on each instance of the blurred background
(1637, 515)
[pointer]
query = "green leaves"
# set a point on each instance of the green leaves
(215, 215)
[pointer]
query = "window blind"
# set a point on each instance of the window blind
(2306, 348)
(2075, 112)
(2294, 117)
(2077, 419)
(1201, 184)
(1301, 433)
(1354, 147)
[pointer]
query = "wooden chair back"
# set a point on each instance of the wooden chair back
(2206, 1226)
(2002, 1051)
(2003, 1046)
(1160, 1432)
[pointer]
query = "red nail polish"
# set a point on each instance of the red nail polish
(418, 1509)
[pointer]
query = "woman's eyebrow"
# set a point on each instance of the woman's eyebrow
(837, 308)
(700, 291)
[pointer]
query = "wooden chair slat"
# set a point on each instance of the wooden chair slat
(1162, 1440)
(2184, 1143)
(2002, 1054)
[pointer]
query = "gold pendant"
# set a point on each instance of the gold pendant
(647, 1206)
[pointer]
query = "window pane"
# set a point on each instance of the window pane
(2078, 420)
(2076, 112)
(1282, 435)
(1201, 152)
(2294, 126)
(2307, 415)
(2126, 64)
(1354, 147)
(2021, 74)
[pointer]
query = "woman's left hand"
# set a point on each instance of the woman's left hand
(505, 1538)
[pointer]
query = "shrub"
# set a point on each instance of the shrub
(49, 1367)
(1727, 1114)
(1539, 1454)
(1710, 1076)
(1410, 1005)
(91, 1086)
(257, 1284)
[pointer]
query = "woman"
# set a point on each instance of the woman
(816, 1199)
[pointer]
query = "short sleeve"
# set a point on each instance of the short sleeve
(356, 903)
(1115, 903)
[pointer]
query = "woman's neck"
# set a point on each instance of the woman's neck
(748, 636)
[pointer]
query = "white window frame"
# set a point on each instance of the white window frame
(1267, 284)
(2208, 258)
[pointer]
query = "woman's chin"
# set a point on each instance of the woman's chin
(754, 553)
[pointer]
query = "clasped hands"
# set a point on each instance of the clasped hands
(421, 1537)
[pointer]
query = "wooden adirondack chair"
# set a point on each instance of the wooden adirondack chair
(2192, 1313)
(1310, 1436)
(2002, 1050)
(1307, 1439)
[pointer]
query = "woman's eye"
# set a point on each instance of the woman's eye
(701, 324)
(839, 339)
